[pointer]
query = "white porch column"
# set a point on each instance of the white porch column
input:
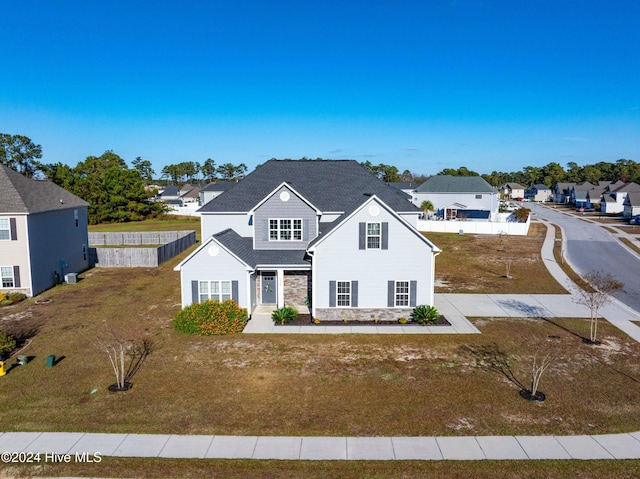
(280, 287)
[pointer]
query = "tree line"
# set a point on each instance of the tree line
(117, 192)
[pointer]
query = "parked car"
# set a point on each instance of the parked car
(635, 220)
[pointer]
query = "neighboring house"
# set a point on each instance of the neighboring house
(539, 192)
(190, 193)
(512, 191)
(632, 204)
(580, 194)
(562, 192)
(324, 233)
(612, 200)
(407, 187)
(43, 233)
(459, 197)
(212, 190)
(170, 195)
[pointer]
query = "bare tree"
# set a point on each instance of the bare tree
(538, 368)
(602, 285)
(117, 348)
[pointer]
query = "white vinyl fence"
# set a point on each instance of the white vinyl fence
(475, 227)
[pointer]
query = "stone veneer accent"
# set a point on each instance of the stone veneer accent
(297, 286)
(363, 314)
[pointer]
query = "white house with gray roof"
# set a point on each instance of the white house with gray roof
(459, 197)
(324, 233)
(43, 233)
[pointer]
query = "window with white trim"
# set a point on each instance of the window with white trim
(402, 293)
(343, 293)
(285, 229)
(374, 235)
(214, 291)
(5, 229)
(75, 217)
(6, 273)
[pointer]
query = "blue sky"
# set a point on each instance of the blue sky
(422, 85)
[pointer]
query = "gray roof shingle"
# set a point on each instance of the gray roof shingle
(455, 184)
(243, 248)
(330, 185)
(19, 194)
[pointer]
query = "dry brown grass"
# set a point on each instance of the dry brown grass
(303, 385)
(478, 263)
(631, 244)
(241, 469)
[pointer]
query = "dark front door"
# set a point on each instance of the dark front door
(268, 288)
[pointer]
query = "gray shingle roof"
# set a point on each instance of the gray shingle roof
(220, 186)
(330, 185)
(243, 248)
(19, 194)
(456, 184)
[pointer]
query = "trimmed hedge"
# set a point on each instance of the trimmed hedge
(211, 318)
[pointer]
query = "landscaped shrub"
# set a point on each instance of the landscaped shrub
(211, 318)
(424, 314)
(284, 315)
(9, 298)
(7, 344)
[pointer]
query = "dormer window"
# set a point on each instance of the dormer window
(288, 229)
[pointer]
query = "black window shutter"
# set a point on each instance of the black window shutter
(413, 290)
(194, 292)
(332, 294)
(362, 240)
(385, 235)
(12, 229)
(391, 293)
(234, 291)
(354, 294)
(16, 277)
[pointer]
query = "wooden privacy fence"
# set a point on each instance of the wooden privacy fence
(127, 250)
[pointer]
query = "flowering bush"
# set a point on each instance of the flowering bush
(211, 318)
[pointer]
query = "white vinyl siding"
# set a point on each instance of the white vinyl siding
(374, 233)
(214, 290)
(6, 273)
(402, 293)
(285, 229)
(5, 230)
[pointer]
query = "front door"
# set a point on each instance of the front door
(269, 288)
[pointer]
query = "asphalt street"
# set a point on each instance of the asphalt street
(589, 247)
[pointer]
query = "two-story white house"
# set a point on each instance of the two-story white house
(459, 197)
(43, 233)
(327, 233)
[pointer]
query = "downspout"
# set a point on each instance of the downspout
(433, 277)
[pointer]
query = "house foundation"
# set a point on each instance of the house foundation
(363, 314)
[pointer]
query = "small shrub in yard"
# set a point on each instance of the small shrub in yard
(9, 298)
(285, 314)
(7, 344)
(424, 314)
(211, 318)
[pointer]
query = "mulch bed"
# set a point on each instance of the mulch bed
(305, 320)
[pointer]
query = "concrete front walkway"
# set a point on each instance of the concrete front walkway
(470, 448)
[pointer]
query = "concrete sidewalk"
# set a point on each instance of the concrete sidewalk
(470, 448)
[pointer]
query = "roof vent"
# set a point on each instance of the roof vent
(368, 194)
